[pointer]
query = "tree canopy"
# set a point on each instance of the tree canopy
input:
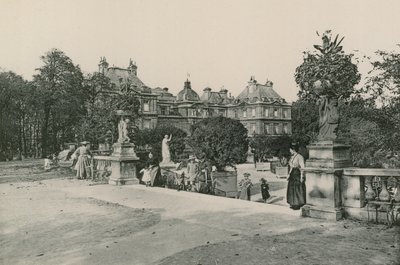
(59, 82)
(220, 141)
(384, 79)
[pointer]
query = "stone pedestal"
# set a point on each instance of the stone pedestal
(329, 154)
(170, 165)
(324, 172)
(225, 183)
(123, 164)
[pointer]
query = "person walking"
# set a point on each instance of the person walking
(296, 189)
(82, 167)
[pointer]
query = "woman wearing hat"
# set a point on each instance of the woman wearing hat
(82, 167)
(245, 187)
(296, 189)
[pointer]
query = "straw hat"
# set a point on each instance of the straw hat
(85, 142)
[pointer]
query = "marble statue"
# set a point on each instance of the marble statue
(123, 130)
(328, 118)
(166, 154)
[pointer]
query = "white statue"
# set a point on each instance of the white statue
(166, 155)
(123, 131)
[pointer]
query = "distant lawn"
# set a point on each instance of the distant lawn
(30, 170)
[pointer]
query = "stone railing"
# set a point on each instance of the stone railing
(101, 167)
(366, 187)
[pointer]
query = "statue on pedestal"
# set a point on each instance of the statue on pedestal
(328, 111)
(123, 130)
(328, 118)
(166, 155)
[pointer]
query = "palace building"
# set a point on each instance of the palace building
(258, 107)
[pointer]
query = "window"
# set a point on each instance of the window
(146, 105)
(245, 113)
(286, 128)
(266, 112)
(163, 110)
(236, 114)
(285, 113)
(253, 112)
(253, 128)
(275, 112)
(277, 129)
(267, 129)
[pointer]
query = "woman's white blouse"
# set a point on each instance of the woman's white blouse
(296, 160)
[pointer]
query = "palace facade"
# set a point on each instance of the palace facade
(258, 107)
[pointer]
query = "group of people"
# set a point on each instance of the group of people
(245, 185)
(80, 160)
(151, 173)
(296, 188)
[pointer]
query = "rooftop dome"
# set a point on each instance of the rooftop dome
(187, 94)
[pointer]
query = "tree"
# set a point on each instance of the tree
(271, 145)
(304, 121)
(99, 123)
(60, 85)
(12, 91)
(384, 79)
(220, 141)
(152, 138)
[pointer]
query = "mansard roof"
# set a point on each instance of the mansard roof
(120, 76)
(262, 92)
(212, 97)
(163, 94)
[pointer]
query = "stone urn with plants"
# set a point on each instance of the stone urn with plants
(327, 76)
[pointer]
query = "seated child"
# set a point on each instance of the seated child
(265, 190)
(47, 163)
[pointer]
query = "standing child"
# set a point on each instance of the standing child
(245, 188)
(265, 190)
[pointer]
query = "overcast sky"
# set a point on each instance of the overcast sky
(220, 43)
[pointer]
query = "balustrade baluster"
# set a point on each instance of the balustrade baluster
(370, 193)
(396, 195)
(384, 194)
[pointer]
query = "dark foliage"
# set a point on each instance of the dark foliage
(220, 141)
(151, 139)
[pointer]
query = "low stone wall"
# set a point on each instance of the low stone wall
(369, 193)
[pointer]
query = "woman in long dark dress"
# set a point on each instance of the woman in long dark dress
(296, 189)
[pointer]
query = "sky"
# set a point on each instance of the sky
(218, 43)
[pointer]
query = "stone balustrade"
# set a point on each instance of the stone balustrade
(363, 187)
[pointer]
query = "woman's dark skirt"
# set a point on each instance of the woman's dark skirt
(296, 190)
